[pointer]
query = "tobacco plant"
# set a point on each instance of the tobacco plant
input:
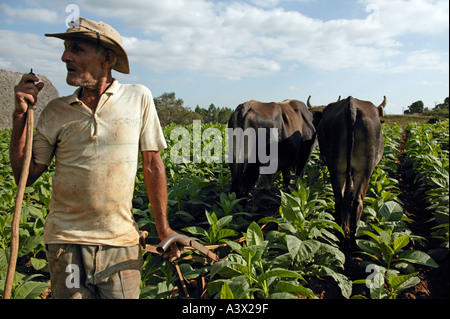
(428, 155)
(245, 273)
(217, 233)
(307, 234)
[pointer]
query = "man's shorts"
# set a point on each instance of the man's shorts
(94, 272)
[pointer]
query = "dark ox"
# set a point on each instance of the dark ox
(294, 141)
(350, 140)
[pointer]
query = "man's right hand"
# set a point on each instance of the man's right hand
(26, 92)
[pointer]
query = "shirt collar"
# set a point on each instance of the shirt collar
(115, 85)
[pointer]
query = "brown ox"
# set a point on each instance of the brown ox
(295, 139)
(350, 140)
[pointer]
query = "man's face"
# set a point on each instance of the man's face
(83, 62)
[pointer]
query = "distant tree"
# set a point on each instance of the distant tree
(416, 107)
(443, 106)
(171, 110)
(213, 114)
(224, 115)
(201, 112)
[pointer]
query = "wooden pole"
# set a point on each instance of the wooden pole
(19, 199)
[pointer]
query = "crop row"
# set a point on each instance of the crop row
(427, 152)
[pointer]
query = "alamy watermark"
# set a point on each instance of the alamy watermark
(73, 279)
(235, 145)
(72, 20)
(375, 279)
(373, 19)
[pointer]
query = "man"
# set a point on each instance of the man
(95, 135)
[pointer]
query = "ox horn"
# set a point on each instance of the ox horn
(381, 107)
(307, 102)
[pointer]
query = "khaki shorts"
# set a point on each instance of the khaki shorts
(94, 272)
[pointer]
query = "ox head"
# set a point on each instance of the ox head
(317, 111)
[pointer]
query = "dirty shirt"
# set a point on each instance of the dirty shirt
(96, 161)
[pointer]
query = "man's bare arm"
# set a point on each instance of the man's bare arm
(155, 183)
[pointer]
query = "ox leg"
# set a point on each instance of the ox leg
(341, 209)
(360, 190)
(249, 178)
(244, 179)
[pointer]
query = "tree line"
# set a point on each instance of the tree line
(171, 110)
(440, 109)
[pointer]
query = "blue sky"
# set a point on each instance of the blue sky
(229, 52)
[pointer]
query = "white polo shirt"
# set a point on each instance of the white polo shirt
(96, 163)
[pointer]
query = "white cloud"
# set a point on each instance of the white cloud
(238, 39)
(254, 38)
(399, 16)
(30, 14)
(421, 60)
(26, 50)
(273, 3)
(431, 83)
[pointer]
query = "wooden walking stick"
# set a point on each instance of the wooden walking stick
(19, 199)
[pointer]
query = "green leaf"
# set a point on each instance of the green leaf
(371, 235)
(224, 221)
(308, 248)
(226, 269)
(38, 263)
(195, 230)
(225, 292)
(211, 218)
(418, 257)
(278, 272)
(29, 244)
(368, 247)
(402, 282)
(343, 282)
(282, 295)
(235, 246)
(290, 208)
(254, 235)
(30, 289)
(386, 238)
(391, 211)
(294, 288)
(223, 233)
(401, 242)
(249, 252)
(3, 261)
(386, 249)
(293, 245)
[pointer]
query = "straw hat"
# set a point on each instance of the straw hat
(101, 33)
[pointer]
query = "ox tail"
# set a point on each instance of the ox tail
(350, 111)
